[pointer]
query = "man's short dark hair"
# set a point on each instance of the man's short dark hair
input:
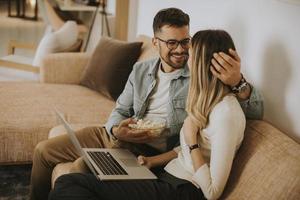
(171, 17)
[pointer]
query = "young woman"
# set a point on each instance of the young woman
(213, 131)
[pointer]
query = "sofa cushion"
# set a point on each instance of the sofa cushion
(27, 115)
(110, 66)
(267, 165)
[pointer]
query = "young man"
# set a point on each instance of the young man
(155, 88)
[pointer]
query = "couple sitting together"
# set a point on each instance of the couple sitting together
(197, 86)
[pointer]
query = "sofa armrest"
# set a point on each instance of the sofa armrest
(64, 68)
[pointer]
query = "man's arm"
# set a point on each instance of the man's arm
(253, 105)
(228, 69)
(124, 106)
(117, 124)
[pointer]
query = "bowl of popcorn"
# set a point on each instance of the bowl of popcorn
(155, 126)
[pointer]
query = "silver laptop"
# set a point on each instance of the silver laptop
(108, 164)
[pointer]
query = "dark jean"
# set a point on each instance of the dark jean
(87, 187)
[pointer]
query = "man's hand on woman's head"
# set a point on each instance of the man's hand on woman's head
(226, 67)
(125, 133)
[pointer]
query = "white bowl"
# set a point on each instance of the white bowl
(155, 126)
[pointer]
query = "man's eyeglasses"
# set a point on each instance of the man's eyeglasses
(173, 44)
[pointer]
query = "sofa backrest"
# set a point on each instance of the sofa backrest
(267, 165)
(148, 50)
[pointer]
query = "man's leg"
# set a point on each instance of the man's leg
(60, 149)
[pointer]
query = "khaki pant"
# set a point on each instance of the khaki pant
(60, 149)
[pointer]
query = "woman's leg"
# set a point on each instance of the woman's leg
(87, 186)
(188, 191)
(59, 149)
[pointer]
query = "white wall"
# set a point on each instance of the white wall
(267, 37)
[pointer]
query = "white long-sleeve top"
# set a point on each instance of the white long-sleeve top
(219, 141)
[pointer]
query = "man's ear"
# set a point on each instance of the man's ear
(155, 43)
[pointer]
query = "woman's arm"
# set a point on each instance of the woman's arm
(225, 133)
(191, 132)
(159, 160)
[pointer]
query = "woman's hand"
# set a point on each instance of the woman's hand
(146, 161)
(158, 160)
(190, 131)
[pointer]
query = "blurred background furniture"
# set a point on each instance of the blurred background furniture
(18, 67)
(55, 17)
(20, 9)
(70, 5)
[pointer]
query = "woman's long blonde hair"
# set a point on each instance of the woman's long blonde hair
(206, 90)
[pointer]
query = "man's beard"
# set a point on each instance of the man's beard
(176, 65)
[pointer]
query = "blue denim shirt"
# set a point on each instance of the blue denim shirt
(134, 99)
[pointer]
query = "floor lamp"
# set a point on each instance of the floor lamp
(104, 20)
(103, 4)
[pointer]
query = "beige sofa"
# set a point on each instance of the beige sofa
(26, 108)
(267, 165)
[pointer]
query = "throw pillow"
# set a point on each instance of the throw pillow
(58, 41)
(110, 65)
(76, 47)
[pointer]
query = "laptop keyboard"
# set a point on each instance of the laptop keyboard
(107, 163)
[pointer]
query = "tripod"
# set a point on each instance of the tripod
(104, 19)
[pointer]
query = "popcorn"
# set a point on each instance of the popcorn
(155, 126)
(147, 124)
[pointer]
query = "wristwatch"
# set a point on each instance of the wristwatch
(194, 146)
(240, 87)
(112, 134)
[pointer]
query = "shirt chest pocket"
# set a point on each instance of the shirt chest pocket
(179, 109)
(137, 105)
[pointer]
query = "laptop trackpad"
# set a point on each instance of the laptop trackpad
(130, 162)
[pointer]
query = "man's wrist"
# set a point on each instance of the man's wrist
(233, 84)
(113, 133)
(242, 89)
(245, 93)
